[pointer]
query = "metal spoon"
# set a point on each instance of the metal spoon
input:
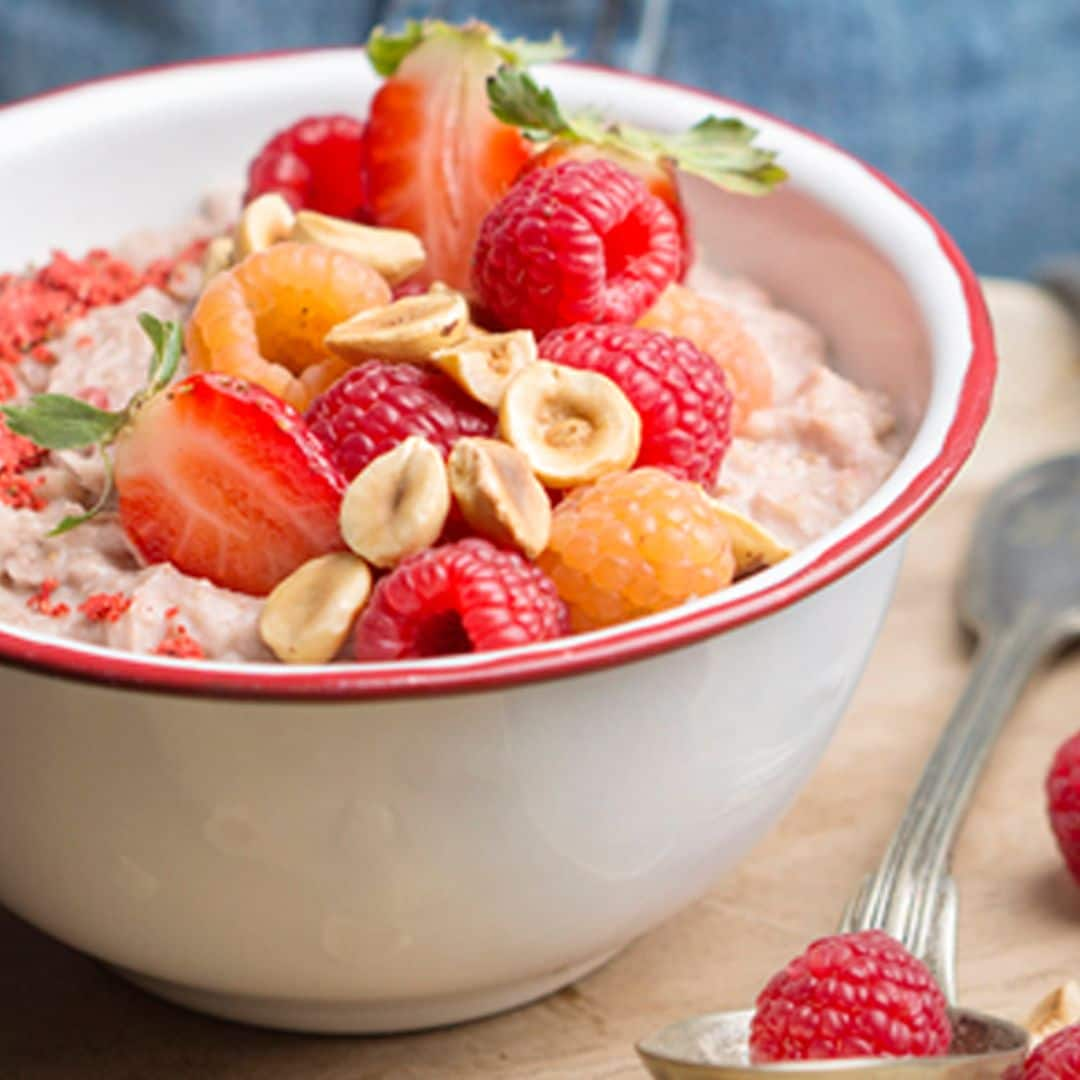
(1021, 596)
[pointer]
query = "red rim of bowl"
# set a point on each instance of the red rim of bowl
(631, 642)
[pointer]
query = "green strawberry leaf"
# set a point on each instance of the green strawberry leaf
(168, 342)
(387, 51)
(59, 422)
(515, 98)
(718, 149)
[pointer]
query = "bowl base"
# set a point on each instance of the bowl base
(362, 1017)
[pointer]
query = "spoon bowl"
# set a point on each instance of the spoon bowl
(714, 1047)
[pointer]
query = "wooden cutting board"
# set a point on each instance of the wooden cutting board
(61, 1016)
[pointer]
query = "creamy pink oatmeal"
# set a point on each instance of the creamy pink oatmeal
(798, 468)
(805, 463)
(362, 416)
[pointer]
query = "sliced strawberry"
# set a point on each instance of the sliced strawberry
(223, 480)
(436, 159)
(658, 175)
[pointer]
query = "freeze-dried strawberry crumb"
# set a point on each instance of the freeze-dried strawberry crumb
(18, 454)
(84, 341)
(159, 272)
(179, 644)
(172, 612)
(20, 492)
(37, 306)
(43, 603)
(105, 607)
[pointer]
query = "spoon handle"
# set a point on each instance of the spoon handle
(911, 895)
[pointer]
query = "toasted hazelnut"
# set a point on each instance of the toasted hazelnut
(754, 546)
(217, 257)
(308, 616)
(572, 425)
(483, 365)
(408, 329)
(498, 494)
(264, 221)
(1059, 1009)
(394, 253)
(397, 505)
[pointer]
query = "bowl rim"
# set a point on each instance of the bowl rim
(631, 642)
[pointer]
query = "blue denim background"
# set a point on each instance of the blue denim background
(972, 105)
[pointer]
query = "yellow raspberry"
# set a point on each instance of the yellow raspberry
(634, 543)
(719, 333)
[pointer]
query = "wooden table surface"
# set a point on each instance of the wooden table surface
(64, 1017)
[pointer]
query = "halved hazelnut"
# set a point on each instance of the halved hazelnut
(408, 329)
(572, 425)
(397, 505)
(483, 365)
(1059, 1009)
(754, 546)
(498, 494)
(217, 257)
(308, 616)
(394, 253)
(264, 221)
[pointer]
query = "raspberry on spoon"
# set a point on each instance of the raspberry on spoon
(850, 996)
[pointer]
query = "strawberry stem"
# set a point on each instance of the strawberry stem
(60, 422)
(717, 149)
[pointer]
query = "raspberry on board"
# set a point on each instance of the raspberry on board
(265, 319)
(848, 996)
(316, 164)
(681, 394)
(635, 543)
(377, 405)
(468, 596)
(719, 333)
(583, 242)
(1063, 802)
(1055, 1058)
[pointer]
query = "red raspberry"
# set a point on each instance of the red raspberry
(852, 995)
(1055, 1058)
(1063, 802)
(376, 405)
(584, 241)
(468, 596)
(316, 165)
(681, 394)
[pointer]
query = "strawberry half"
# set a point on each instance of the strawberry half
(435, 158)
(223, 480)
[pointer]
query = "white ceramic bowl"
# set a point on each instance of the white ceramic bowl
(381, 847)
